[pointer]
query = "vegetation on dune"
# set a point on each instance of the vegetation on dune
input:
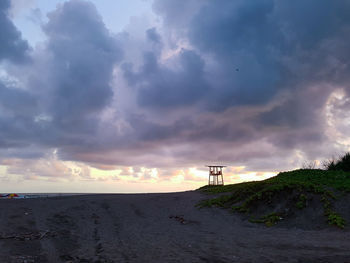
(341, 164)
(268, 220)
(297, 188)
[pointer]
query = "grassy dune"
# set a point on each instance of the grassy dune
(285, 196)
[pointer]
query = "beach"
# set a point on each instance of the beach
(152, 228)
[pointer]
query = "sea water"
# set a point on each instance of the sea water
(38, 195)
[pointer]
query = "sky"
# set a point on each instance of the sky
(138, 96)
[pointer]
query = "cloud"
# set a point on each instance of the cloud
(264, 55)
(60, 96)
(83, 56)
(36, 16)
(17, 6)
(153, 35)
(48, 168)
(17, 107)
(13, 47)
(69, 80)
(246, 83)
(163, 87)
(179, 13)
(261, 48)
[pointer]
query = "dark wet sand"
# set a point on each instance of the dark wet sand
(152, 228)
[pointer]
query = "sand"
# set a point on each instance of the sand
(152, 228)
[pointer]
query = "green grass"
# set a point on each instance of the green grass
(341, 164)
(268, 220)
(301, 202)
(244, 197)
(336, 220)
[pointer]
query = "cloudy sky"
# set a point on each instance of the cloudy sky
(138, 96)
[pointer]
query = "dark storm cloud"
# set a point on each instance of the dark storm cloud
(233, 81)
(264, 78)
(232, 26)
(69, 84)
(12, 47)
(16, 101)
(308, 23)
(150, 131)
(17, 107)
(163, 87)
(83, 56)
(246, 41)
(282, 59)
(252, 41)
(153, 35)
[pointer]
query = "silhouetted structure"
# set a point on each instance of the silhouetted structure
(215, 175)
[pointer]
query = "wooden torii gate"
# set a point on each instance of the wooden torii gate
(215, 175)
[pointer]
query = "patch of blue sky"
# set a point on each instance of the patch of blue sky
(115, 14)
